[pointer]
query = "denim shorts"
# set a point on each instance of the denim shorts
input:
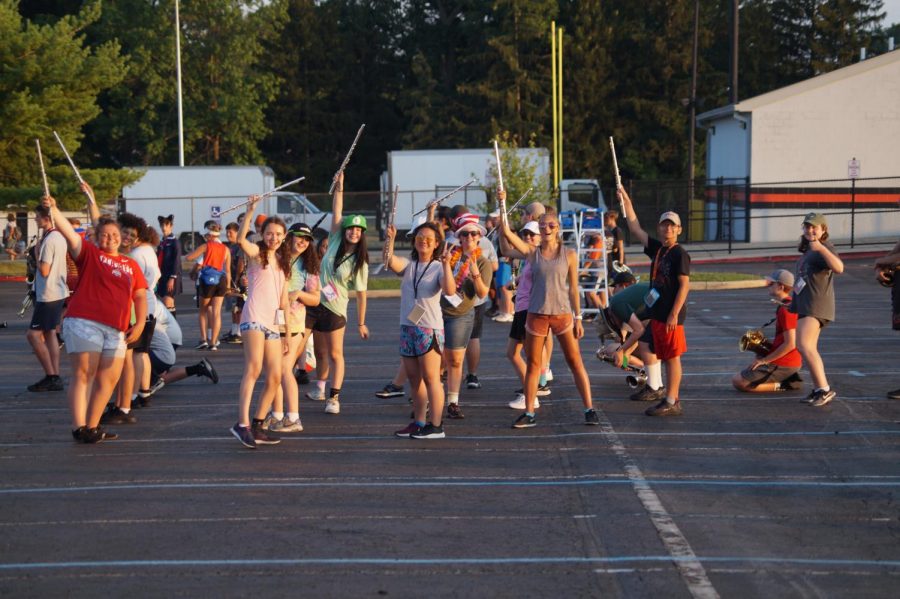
(418, 341)
(82, 335)
(255, 326)
(458, 330)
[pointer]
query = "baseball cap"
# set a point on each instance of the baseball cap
(624, 278)
(300, 230)
(468, 222)
(782, 276)
(815, 218)
(671, 216)
(531, 227)
(354, 220)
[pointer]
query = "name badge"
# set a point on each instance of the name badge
(799, 284)
(279, 317)
(453, 300)
(330, 292)
(415, 315)
(651, 298)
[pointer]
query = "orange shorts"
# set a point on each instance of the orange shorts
(540, 325)
(667, 345)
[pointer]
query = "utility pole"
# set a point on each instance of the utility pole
(178, 77)
(735, 21)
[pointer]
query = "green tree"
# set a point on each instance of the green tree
(520, 173)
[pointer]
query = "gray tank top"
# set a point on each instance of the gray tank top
(549, 287)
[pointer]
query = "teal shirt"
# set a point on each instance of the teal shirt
(340, 280)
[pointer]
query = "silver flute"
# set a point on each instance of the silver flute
(347, 157)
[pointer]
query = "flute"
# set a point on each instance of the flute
(347, 157)
(37, 142)
(388, 252)
(442, 198)
(612, 147)
(72, 164)
(505, 213)
(499, 170)
(265, 195)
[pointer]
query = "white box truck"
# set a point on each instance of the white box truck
(196, 194)
(426, 174)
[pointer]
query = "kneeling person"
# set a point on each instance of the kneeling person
(779, 370)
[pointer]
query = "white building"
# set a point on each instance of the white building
(809, 132)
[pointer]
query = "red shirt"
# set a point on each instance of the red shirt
(105, 288)
(215, 255)
(785, 321)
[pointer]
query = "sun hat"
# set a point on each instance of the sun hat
(468, 222)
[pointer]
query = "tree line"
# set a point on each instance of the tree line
(287, 82)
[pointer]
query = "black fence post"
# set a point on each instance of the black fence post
(852, 212)
(747, 209)
(719, 181)
(730, 216)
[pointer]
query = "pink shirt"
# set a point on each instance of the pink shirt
(264, 286)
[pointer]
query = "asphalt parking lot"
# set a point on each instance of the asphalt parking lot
(742, 496)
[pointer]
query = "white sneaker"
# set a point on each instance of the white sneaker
(286, 425)
(549, 375)
(316, 394)
(332, 406)
(519, 402)
(503, 317)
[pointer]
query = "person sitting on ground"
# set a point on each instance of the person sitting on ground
(778, 370)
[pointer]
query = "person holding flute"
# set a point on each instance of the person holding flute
(97, 326)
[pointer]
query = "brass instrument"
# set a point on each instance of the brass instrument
(637, 377)
(885, 275)
(754, 340)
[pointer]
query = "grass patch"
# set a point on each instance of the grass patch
(710, 277)
(12, 268)
(384, 283)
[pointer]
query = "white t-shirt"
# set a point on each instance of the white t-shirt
(421, 287)
(52, 288)
(490, 254)
(146, 258)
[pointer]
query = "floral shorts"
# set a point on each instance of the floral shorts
(255, 326)
(418, 341)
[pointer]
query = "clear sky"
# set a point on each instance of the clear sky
(892, 8)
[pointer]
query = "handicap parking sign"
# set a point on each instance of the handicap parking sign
(214, 211)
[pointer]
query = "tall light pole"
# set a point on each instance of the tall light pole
(693, 101)
(178, 76)
(735, 27)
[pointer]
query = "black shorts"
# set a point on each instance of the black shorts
(208, 291)
(47, 315)
(157, 366)
(647, 337)
(142, 345)
(479, 321)
(321, 319)
(517, 329)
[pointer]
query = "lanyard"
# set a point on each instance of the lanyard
(416, 281)
(341, 261)
(656, 262)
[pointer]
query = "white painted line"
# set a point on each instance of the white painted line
(855, 373)
(690, 568)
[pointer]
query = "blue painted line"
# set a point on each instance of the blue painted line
(439, 562)
(442, 483)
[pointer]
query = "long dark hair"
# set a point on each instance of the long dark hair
(804, 242)
(360, 253)
(310, 257)
(438, 246)
(282, 253)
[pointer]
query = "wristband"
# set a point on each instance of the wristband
(579, 317)
(625, 361)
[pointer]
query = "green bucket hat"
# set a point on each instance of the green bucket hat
(354, 220)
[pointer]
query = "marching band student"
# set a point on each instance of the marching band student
(234, 299)
(169, 256)
(886, 274)
(779, 369)
(303, 291)
(670, 270)
(472, 273)
(553, 302)
(531, 234)
(425, 277)
(268, 265)
(215, 280)
(96, 326)
(813, 300)
(345, 268)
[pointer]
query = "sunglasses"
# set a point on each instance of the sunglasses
(469, 234)
(548, 227)
(425, 239)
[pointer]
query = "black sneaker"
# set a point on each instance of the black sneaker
(453, 411)
(261, 436)
(155, 386)
(114, 415)
(208, 370)
(56, 383)
(664, 408)
(895, 394)
(472, 381)
(202, 345)
(823, 398)
(406, 432)
(648, 394)
(243, 434)
(591, 418)
(809, 398)
(390, 390)
(302, 377)
(429, 431)
(41, 386)
(96, 435)
(524, 421)
(78, 433)
(543, 391)
(791, 383)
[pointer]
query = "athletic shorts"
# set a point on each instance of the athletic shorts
(255, 326)
(142, 345)
(517, 329)
(158, 367)
(321, 319)
(82, 335)
(667, 345)
(458, 330)
(541, 325)
(769, 373)
(478, 323)
(208, 291)
(503, 275)
(418, 341)
(822, 322)
(47, 315)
